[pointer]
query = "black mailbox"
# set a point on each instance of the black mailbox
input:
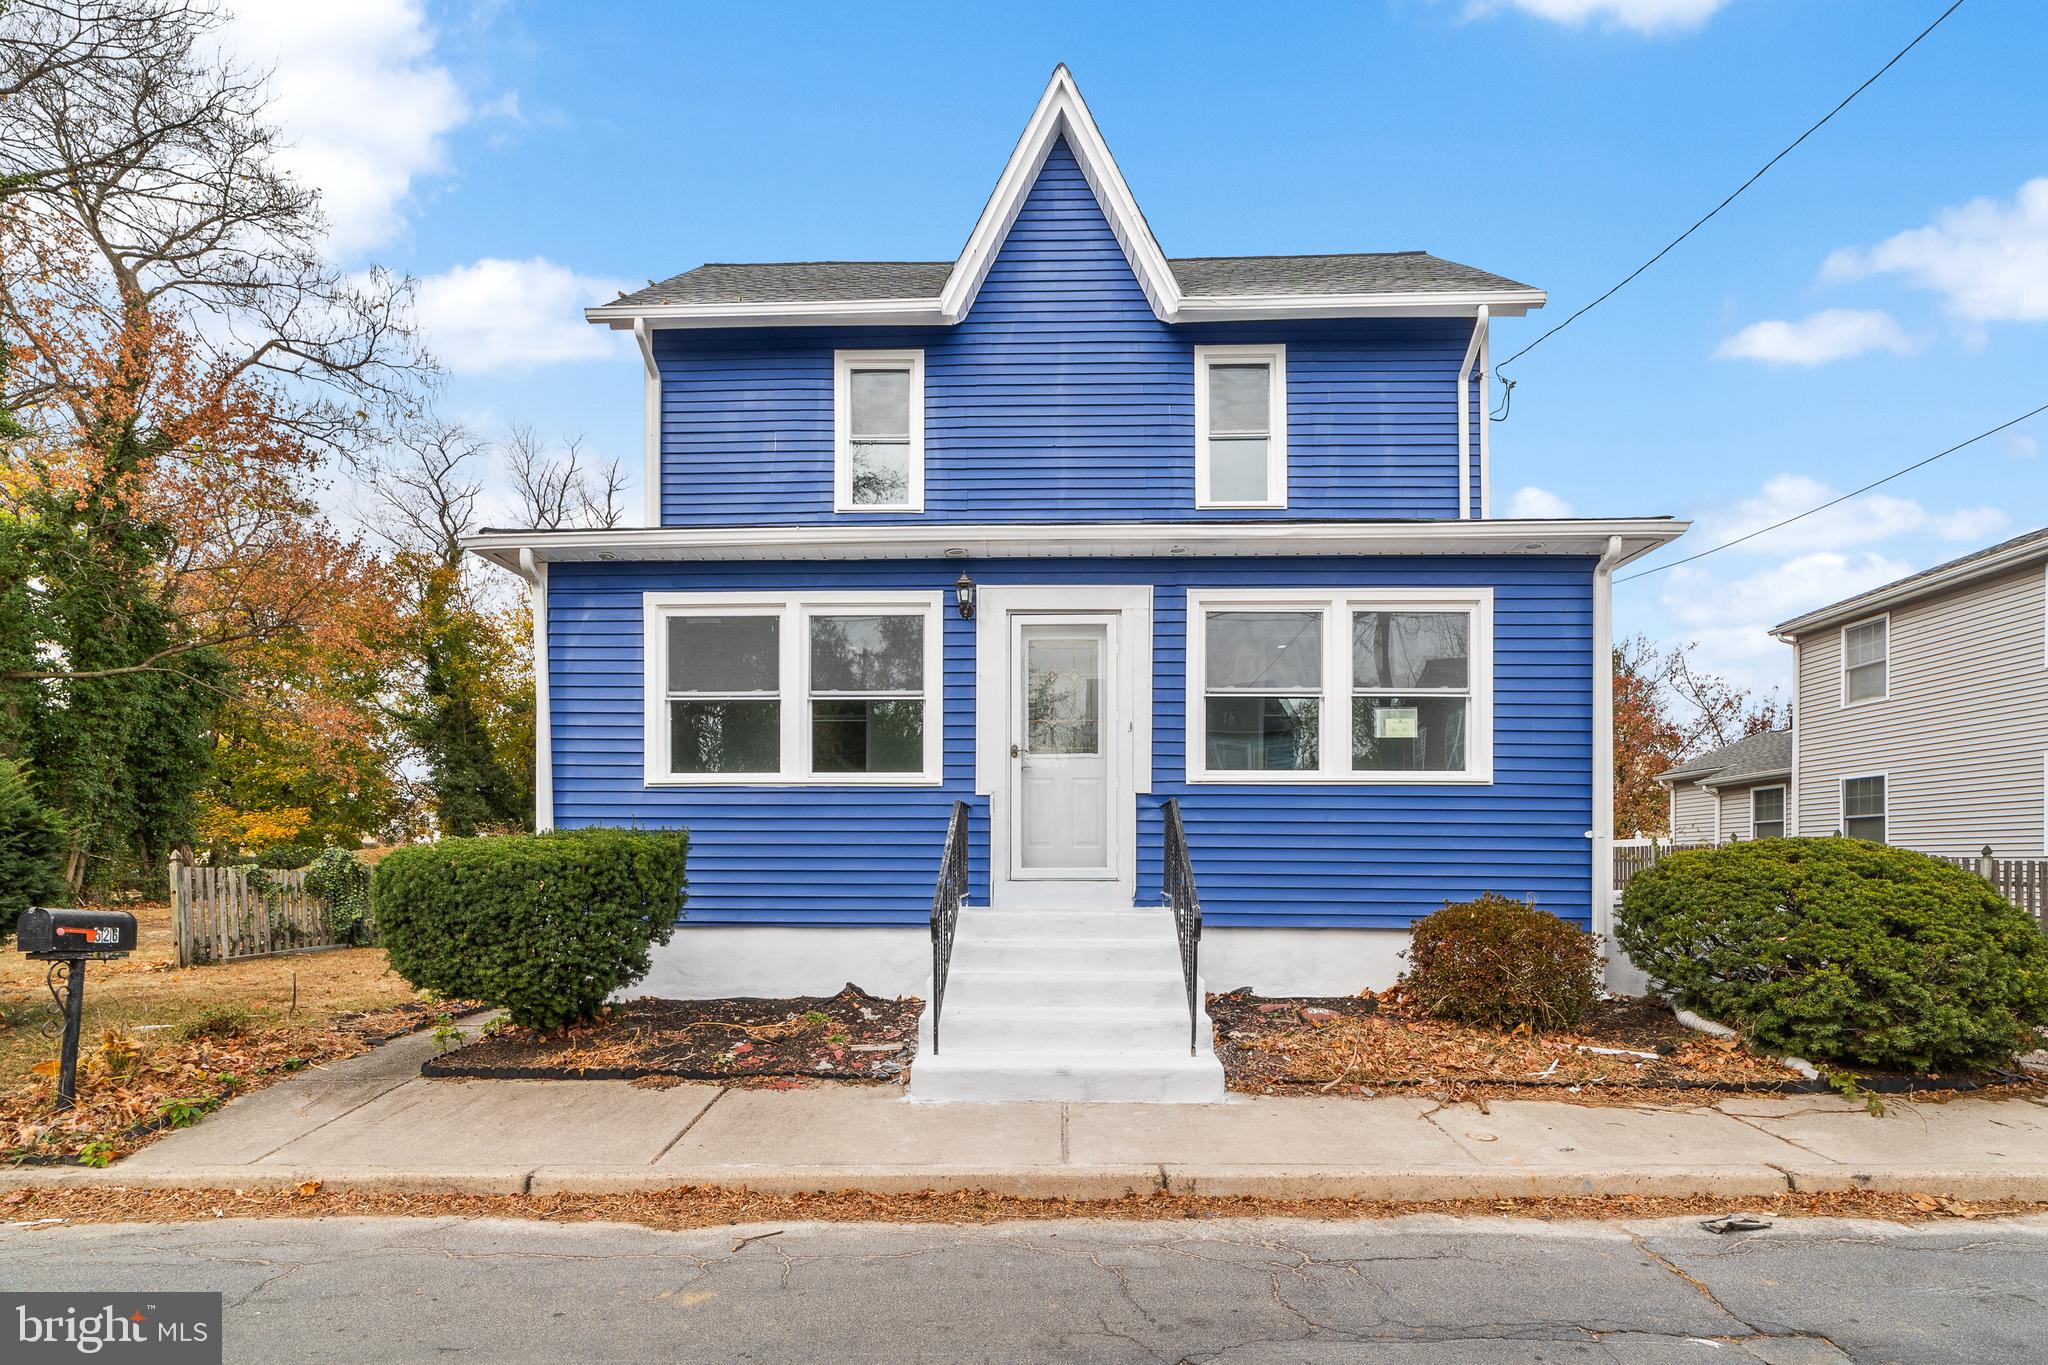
(75, 933)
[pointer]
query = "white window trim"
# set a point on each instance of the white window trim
(793, 682)
(1274, 356)
(1784, 814)
(843, 365)
(1842, 648)
(1337, 604)
(1842, 802)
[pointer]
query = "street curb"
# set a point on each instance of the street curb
(2029, 1183)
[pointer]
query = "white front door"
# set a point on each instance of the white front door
(1063, 727)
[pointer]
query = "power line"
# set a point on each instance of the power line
(1790, 147)
(1836, 502)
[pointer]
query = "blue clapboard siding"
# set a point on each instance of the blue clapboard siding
(1375, 856)
(1060, 397)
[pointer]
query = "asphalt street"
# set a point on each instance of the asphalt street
(1422, 1290)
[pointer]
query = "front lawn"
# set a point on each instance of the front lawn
(163, 1045)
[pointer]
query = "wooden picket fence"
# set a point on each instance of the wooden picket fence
(220, 916)
(1633, 855)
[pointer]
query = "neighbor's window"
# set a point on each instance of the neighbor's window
(825, 687)
(1767, 813)
(1411, 681)
(1240, 426)
(1863, 808)
(878, 429)
(1263, 704)
(867, 694)
(724, 703)
(1346, 686)
(1864, 660)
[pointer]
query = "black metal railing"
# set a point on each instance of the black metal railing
(946, 898)
(1187, 913)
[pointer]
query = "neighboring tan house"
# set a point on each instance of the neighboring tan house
(1738, 792)
(1006, 570)
(1922, 708)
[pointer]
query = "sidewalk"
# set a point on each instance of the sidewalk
(373, 1123)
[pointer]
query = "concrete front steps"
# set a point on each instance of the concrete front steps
(1065, 1004)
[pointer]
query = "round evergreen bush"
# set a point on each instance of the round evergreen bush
(31, 849)
(1502, 963)
(1842, 950)
(545, 925)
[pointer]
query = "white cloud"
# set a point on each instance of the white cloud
(1864, 520)
(2020, 445)
(1988, 259)
(362, 102)
(1642, 16)
(498, 315)
(1537, 502)
(1832, 334)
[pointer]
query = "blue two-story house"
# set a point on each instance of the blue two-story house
(1105, 546)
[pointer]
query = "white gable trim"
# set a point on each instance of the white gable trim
(1061, 112)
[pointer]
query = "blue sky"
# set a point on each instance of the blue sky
(1878, 296)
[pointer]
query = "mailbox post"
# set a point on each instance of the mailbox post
(73, 937)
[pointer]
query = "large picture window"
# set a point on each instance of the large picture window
(1351, 686)
(822, 688)
(878, 431)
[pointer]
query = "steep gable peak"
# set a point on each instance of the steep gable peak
(1061, 115)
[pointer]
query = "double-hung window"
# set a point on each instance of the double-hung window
(1240, 426)
(1863, 808)
(821, 688)
(1866, 661)
(1767, 813)
(1340, 686)
(878, 431)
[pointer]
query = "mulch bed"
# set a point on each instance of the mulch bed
(851, 1036)
(1375, 1043)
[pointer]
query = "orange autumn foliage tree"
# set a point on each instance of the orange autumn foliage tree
(1666, 710)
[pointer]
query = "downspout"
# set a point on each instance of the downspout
(650, 477)
(1485, 425)
(1465, 416)
(1602, 833)
(536, 575)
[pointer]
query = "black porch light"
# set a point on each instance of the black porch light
(963, 594)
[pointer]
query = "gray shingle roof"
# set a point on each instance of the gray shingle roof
(1385, 272)
(1756, 756)
(1952, 573)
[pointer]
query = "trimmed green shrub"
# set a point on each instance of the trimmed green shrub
(545, 925)
(31, 849)
(1842, 950)
(342, 880)
(1502, 963)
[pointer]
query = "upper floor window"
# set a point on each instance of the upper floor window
(821, 687)
(878, 431)
(1866, 661)
(1863, 808)
(1767, 813)
(1240, 426)
(1355, 686)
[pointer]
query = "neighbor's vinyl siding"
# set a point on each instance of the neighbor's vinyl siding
(1692, 813)
(1357, 856)
(1961, 734)
(1060, 397)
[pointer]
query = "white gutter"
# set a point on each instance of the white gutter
(1602, 833)
(1485, 423)
(925, 540)
(1464, 392)
(650, 416)
(1205, 308)
(535, 572)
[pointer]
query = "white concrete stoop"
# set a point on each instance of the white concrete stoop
(1065, 1004)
